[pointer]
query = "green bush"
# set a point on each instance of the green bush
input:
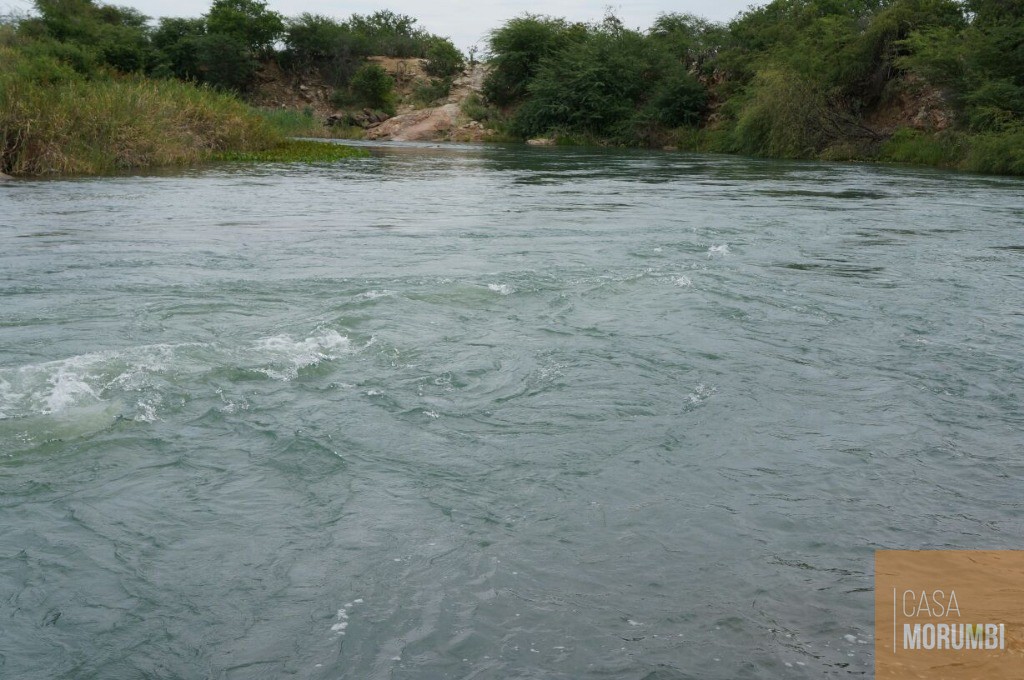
(781, 115)
(312, 39)
(518, 48)
(224, 62)
(374, 88)
(592, 87)
(337, 49)
(995, 105)
(389, 34)
(913, 146)
(996, 152)
(425, 93)
(248, 22)
(176, 42)
(679, 99)
(443, 59)
(691, 40)
(474, 108)
(46, 53)
(115, 36)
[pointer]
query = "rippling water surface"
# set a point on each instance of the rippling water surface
(496, 413)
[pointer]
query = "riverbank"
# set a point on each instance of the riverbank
(92, 88)
(912, 126)
(994, 153)
(54, 121)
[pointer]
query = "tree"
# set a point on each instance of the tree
(390, 34)
(518, 48)
(593, 86)
(443, 58)
(247, 21)
(224, 62)
(117, 35)
(312, 38)
(374, 87)
(177, 45)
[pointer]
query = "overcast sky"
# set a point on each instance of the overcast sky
(466, 22)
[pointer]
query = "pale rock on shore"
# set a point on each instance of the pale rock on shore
(445, 122)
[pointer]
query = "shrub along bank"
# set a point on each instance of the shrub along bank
(939, 82)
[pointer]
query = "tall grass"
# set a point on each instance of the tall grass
(292, 122)
(920, 148)
(53, 121)
(303, 123)
(781, 116)
(997, 152)
(989, 152)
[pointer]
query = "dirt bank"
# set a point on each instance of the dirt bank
(443, 120)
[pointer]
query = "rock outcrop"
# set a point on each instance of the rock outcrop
(443, 122)
(911, 103)
(278, 88)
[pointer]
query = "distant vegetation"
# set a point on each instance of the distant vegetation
(86, 87)
(839, 79)
(337, 50)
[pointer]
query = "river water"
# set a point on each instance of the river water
(496, 412)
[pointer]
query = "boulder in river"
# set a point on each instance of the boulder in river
(5, 178)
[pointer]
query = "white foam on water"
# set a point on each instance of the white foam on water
(551, 372)
(342, 617)
(66, 389)
(501, 288)
(374, 294)
(700, 394)
(682, 281)
(147, 413)
(56, 387)
(647, 271)
(850, 638)
(290, 355)
(718, 250)
(7, 398)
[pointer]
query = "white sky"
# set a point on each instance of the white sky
(466, 22)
